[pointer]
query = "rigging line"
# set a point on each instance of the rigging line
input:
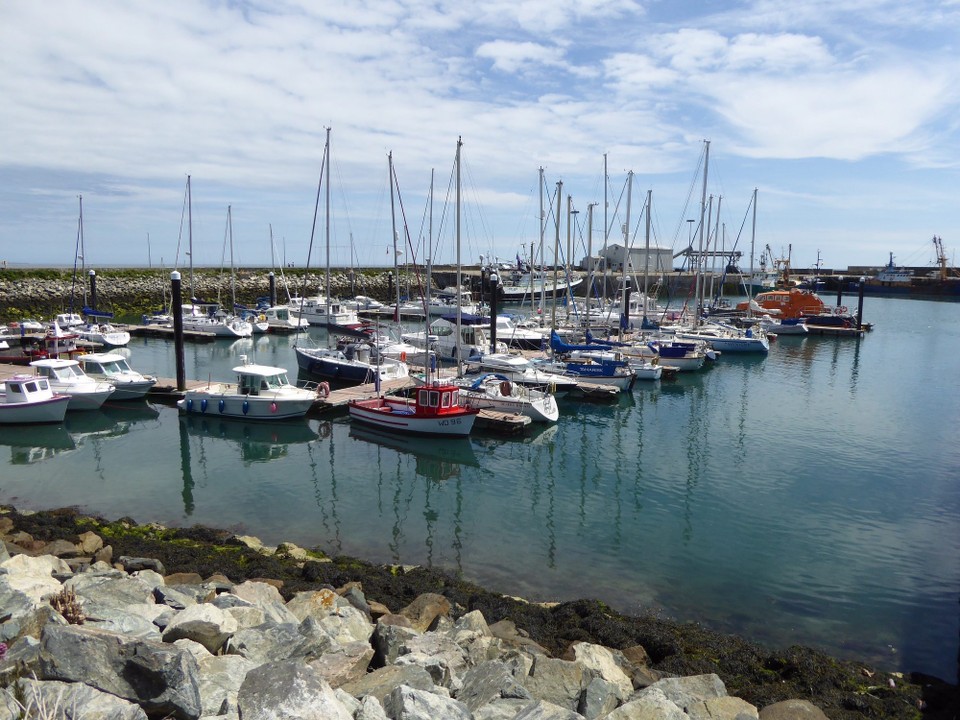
(406, 232)
(183, 216)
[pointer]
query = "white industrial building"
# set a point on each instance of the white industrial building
(611, 258)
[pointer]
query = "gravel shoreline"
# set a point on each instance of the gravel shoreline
(761, 676)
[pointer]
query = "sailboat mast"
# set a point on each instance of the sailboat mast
(703, 212)
(624, 310)
(606, 229)
(646, 261)
(543, 229)
(753, 239)
(459, 345)
(556, 258)
(593, 265)
(193, 292)
(393, 227)
(233, 276)
(327, 230)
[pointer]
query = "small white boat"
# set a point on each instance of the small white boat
(207, 317)
(437, 409)
(68, 320)
(67, 377)
(30, 399)
(490, 391)
(114, 369)
(103, 333)
(519, 369)
(785, 326)
(261, 392)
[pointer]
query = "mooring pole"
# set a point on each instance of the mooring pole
(493, 283)
(93, 289)
(863, 282)
(273, 289)
(176, 307)
(840, 292)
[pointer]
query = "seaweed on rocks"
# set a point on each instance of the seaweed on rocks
(844, 690)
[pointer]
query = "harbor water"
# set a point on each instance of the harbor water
(810, 497)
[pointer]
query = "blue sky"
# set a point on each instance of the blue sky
(843, 114)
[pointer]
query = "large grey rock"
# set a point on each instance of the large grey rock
(543, 710)
(792, 710)
(505, 709)
(208, 625)
(722, 708)
(604, 663)
(344, 663)
(370, 709)
(487, 682)
(112, 589)
(21, 660)
(173, 597)
(267, 598)
(132, 564)
(407, 703)
(318, 603)
(685, 692)
(288, 690)
(560, 682)
(382, 681)
(436, 653)
(220, 680)
(133, 620)
(23, 615)
(599, 698)
(159, 677)
(33, 576)
(273, 642)
(389, 640)
(55, 699)
(650, 704)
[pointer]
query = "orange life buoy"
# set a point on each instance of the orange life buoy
(842, 310)
(323, 389)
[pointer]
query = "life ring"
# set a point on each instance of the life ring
(323, 389)
(842, 310)
(505, 388)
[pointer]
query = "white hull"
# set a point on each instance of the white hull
(227, 403)
(41, 411)
(231, 328)
(388, 413)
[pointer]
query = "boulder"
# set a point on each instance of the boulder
(604, 663)
(560, 682)
(52, 698)
(487, 682)
(414, 704)
(289, 690)
(792, 710)
(381, 682)
(345, 663)
(425, 609)
(208, 625)
(220, 680)
(650, 704)
(159, 677)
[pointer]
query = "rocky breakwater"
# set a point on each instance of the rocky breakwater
(91, 635)
(44, 293)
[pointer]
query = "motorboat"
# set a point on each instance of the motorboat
(519, 369)
(324, 312)
(492, 391)
(114, 369)
(209, 318)
(261, 392)
(67, 377)
(442, 337)
(30, 399)
(436, 409)
(351, 364)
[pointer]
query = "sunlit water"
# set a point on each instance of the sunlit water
(812, 496)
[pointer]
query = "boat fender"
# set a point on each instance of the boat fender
(842, 310)
(323, 389)
(403, 356)
(190, 404)
(203, 405)
(220, 405)
(273, 407)
(505, 388)
(246, 406)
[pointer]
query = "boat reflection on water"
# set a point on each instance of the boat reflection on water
(111, 420)
(259, 442)
(434, 460)
(34, 443)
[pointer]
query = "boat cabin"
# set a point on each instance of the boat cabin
(793, 303)
(26, 388)
(437, 399)
(256, 379)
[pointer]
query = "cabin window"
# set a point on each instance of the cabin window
(14, 387)
(424, 397)
(31, 387)
(434, 398)
(445, 400)
(455, 398)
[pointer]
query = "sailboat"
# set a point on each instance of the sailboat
(436, 408)
(354, 363)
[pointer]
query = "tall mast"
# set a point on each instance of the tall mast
(393, 226)
(233, 278)
(703, 212)
(326, 152)
(646, 261)
(606, 229)
(543, 228)
(193, 291)
(593, 265)
(556, 253)
(753, 238)
(624, 310)
(566, 260)
(459, 344)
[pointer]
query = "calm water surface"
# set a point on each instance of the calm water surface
(812, 496)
